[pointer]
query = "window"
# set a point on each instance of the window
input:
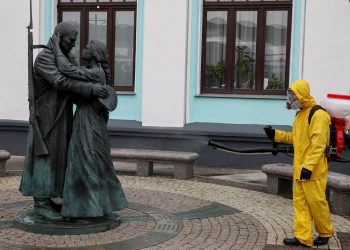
(246, 46)
(111, 22)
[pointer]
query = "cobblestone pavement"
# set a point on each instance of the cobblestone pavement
(166, 213)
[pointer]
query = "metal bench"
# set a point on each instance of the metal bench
(4, 156)
(182, 161)
(279, 182)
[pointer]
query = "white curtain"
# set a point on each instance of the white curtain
(124, 48)
(275, 47)
(246, 33)
(215, 47)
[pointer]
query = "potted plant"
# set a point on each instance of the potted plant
(275, 83)
(215, 74)
(243, 67)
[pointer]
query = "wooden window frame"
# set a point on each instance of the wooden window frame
(232, 8)
(110, 8)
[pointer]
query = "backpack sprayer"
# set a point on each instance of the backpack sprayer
(338, 107)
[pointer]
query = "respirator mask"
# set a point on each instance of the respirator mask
(292, 101)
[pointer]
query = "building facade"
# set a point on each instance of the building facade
(221, 65)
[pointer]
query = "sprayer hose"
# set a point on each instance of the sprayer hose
(250, 150)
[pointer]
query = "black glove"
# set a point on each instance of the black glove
(305, 174)
(270, 132)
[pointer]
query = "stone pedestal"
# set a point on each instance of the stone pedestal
(26, 221)
(144, 168)
(341, 202)
(183, 171)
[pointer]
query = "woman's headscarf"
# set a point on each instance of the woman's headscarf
(99, 51)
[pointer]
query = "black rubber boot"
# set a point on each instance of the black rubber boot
(320, 241)
(293, 242)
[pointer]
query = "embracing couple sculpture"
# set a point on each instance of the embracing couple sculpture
(77, 166)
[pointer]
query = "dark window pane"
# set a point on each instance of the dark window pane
(124, 48)
(246, 46)
(245, 51)
(116, 16)
(73, 16)
(275, 49)
(98, 26)
(215, 49)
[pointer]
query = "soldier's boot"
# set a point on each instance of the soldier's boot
(56, 204)
(43, 210)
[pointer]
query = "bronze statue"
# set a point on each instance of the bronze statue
(91, 188)
(44, 171)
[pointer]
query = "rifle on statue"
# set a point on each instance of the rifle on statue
(39, 147)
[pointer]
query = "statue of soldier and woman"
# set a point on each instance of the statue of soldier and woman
(78, 167)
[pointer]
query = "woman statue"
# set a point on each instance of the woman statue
(91, 188)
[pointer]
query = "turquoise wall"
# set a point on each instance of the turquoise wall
(237, 110)
(129, 105)
(47, 20)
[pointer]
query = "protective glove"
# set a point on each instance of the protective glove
(305, 174)
(270, 132)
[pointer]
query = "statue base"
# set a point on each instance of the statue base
(26, 221)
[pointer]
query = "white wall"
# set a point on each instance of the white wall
(164, 63)
(327, 47)
(14, 18)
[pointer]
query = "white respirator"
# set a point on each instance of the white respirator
(293, 102)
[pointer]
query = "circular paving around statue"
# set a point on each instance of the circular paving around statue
(153, 218)
(168, 214)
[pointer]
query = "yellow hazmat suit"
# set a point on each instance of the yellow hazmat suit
(310, 142)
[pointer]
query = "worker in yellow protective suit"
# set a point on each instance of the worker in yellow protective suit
(310, 166)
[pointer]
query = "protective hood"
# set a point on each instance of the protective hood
(301, 89)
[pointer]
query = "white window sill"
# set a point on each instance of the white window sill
(275, 97)
(125, 93)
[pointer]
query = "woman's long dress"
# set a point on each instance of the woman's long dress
(91, 187)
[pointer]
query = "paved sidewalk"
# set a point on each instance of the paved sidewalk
(164, 213)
